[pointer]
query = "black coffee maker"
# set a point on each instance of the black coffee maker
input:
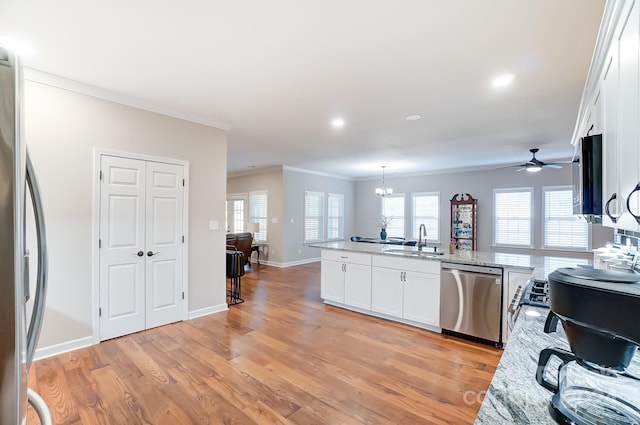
(600, 313)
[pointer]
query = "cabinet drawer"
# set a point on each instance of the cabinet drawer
(408, 264)
(346, 256)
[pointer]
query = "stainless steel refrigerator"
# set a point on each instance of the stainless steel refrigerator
(17, 337)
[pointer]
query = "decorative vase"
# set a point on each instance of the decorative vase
(383, 234)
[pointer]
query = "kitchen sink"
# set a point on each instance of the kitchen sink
(413, 253)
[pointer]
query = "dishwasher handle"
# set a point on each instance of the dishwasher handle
(472, 268)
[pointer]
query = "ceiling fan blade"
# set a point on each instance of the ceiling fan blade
(520, 169)
(552, 165)
(511, 166)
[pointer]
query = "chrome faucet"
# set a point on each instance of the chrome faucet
(422, 231)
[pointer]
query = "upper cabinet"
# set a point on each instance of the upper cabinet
(611, 103)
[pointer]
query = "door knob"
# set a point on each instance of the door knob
(139, 253)
(151, 253)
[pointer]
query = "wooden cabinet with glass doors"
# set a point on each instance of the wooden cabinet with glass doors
(463, 223)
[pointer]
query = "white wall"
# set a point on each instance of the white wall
(296, 182)
(271, 181)
(62, 129)
(286, 187)
(480, 185)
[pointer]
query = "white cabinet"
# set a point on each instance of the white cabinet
(406, 288)
(620, 102)
(611, 197)
(345, 278)
(628, 112)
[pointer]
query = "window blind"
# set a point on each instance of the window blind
(335, 216)
(313, 216)
(258, 202)
(393, 207)
(513, 217)
(561, 228)
(426, 210)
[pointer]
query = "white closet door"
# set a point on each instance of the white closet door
(141, 212)
(122, 234)
(164, 243)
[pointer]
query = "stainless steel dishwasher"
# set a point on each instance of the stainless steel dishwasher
(471, 300)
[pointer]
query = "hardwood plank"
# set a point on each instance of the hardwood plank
(281, 357)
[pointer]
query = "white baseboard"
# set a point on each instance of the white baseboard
(292, 263)
(208, 310)
(65, 347)
(88, 341)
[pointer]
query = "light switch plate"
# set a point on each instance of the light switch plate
(274, 220)
(213, 225)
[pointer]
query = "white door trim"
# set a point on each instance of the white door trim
(95, 232)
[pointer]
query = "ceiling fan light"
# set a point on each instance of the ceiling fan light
(534, 168)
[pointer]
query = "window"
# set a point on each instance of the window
(513, 218)
(393, 207)
(313, 216)
(335, 216)
(426, 210)
(258, 213)
(561, 228)
(552, 263)
(236, 213)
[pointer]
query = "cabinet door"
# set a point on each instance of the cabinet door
(332, 281)
(610, 177)
(357, 286)
(386, 291)
(422, 298)
(629, 129)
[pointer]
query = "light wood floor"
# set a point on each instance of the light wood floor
(282, 357)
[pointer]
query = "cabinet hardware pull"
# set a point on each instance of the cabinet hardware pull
(613, 197)
(637, 217)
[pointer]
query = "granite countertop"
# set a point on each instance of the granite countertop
(514, 396)
(539, 266)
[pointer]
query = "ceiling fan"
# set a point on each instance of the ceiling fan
(534, 164)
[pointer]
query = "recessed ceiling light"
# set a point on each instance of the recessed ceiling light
(502, 80)
(414, 117)
(337, 122)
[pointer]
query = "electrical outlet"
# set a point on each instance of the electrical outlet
(299, 251)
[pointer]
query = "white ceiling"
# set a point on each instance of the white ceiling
(277, 72)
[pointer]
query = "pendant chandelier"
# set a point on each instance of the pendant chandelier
(383, 191)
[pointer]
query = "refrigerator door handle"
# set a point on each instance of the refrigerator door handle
(41, 279)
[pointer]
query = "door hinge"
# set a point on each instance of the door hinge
(182, 238)
(182, 182)
(99, 243)
(183, 295)
(100, 312)
(100, 175)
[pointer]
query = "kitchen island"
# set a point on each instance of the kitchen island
(514, 396)
(403, 284)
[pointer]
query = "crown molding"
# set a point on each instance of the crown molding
(316, 173)
(53, 80)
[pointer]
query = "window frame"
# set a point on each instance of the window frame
(233, 197)
(531, 217)
(404, 213)
(340, 217)
(415, 226)
(544, 245)
(320, 217)
(263, 235)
